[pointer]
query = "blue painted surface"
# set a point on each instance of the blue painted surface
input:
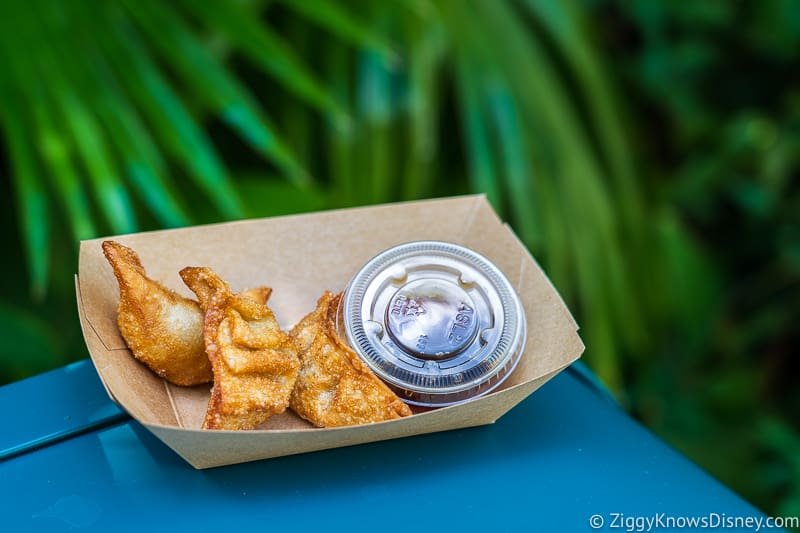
(53, 406)
(556, 459)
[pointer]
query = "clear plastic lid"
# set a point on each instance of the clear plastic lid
(438, 322)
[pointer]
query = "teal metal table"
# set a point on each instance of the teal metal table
(565, 459)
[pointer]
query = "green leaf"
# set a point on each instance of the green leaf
(55, 151)
(28, 344)
(31, 198)
(267, 196)
(297, 120)
(143, 163)
(566, 155)
(517, 162)
(340, 141)
(556, 248)
(427, 47)
(376, 104)
(333, 17)
(264, 48)
(86, 133)
(29, 192)
(564, 21)
(220, 91)
(479, 154)
(91, 145)
(170, 120)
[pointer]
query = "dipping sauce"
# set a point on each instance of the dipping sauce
(438, 322)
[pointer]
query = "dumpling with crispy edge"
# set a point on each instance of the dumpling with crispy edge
(163, 329)
(335, 387)
(254, 363)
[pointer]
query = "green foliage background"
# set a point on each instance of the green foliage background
(647, 152)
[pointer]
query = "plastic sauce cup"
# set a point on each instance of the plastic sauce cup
(438, 322)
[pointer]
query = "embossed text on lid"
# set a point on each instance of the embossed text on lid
(431, 318)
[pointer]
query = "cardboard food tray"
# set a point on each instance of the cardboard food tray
(300, 257)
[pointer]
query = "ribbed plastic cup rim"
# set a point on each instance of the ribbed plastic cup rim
(438, 322)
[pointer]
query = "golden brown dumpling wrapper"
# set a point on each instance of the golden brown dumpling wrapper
(162, 329)
(335, 387)
(254, 363)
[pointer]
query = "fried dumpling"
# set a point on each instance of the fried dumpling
(163, 329)
(335, 387)
(254, 363)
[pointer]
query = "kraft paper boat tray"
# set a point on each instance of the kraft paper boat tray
(300, 257)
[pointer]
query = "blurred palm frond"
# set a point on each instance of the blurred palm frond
(105, 108)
